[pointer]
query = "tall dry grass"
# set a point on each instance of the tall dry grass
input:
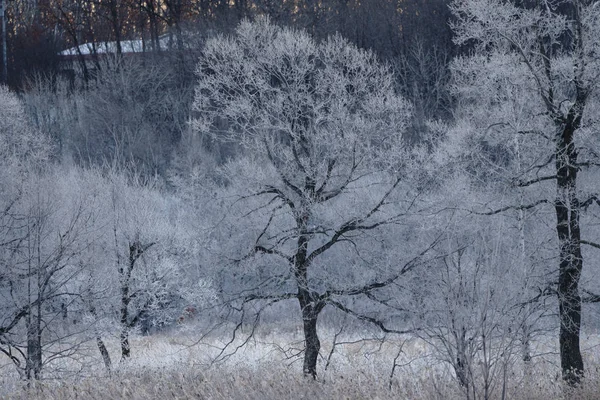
(269, 367)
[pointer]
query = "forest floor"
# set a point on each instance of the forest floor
(176, 365)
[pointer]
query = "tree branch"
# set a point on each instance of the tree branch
(590, 297)
(285, 180)
(22, 312)
(355, 225)
(589, 201)
(592, 244)
(323, 196)
(522, 207)
(546, 99)
(366, 318)
(262, 249)
(536, 180)
(276, 298)
(377, 285)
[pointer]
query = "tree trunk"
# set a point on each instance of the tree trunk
(104, 352)
(33, 362)
(33, 366)
(310, 313)
(125, 348)
(116, 25)
(124, 337)
(310, 303)
(100, 343)
(461, 368)
(136, 249)
(154, 36)
(525, 346)
(571, 262)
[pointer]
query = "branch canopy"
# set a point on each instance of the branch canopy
(315, 112)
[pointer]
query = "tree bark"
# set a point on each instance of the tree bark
(310, 314)
(100, 343)
(104, 352)
(571, 262)
(124, 337)
(116, 24)
(310, 303)
(125, 348)
(136, 249)
(33, 366)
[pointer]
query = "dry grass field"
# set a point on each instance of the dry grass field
(176, 366)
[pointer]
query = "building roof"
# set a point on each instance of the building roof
(127, 46)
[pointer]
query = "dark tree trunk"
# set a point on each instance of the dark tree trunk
(82, 64)
(525, 345)
(33, 366)
(104, 352)
(150, 9)
(116, 24)
(310, 314)
(125, 348)
(124, 337)
(100, 343)
(461, 368)
(571, 262)
(310, 303)
(136, 249)
(154, 36)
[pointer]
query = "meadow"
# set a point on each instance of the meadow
(175, 365)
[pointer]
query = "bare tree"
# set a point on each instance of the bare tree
(321, 169)
(50, 229)
(472, 310)
(423, 75)
(545, 62)
(140, 272)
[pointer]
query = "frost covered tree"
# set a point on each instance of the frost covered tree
(20, 149)
(472, 307)
(136, 260)
(319, 172)
(44, 228)
(45, 265)
(527, 92)
(21, 145)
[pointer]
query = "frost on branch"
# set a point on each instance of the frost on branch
(19, 142)
(528, 91)
(321, 183)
